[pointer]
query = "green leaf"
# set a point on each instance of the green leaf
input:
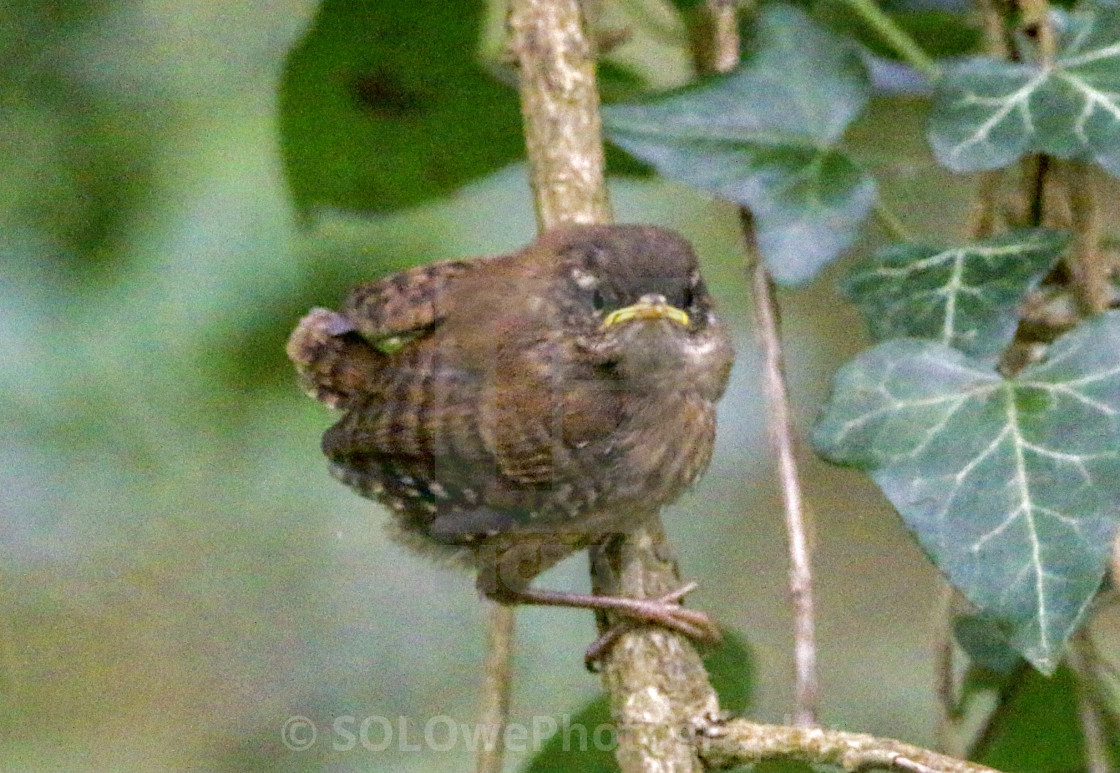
(1012, 486)
(1036, 727)
(586, 742)
(763, 137)
(985, 646)
(988, 113)
(965, 297)
(384, 105)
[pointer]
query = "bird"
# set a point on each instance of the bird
(511, 410)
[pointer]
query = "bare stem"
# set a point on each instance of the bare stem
(1083, 660)
(767, 324)
(497, 687)
(1089, 266)
(654, 677)
(891, 223)
(560, 108)
(944, 676)
(739, 742)
(897, 38)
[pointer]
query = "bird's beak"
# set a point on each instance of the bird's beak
(649, 307)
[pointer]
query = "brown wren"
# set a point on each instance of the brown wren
(510, 410)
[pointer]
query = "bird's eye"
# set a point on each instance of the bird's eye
(597, 300)
(695, 291)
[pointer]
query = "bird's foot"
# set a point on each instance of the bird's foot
(665, 611)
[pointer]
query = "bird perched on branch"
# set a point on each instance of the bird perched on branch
(511, 410)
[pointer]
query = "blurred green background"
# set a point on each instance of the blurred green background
(180, 574)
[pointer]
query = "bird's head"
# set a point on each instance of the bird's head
(636, 297)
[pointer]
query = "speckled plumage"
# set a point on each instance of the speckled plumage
(490, 408)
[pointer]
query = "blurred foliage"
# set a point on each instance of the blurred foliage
(1036, 727)
(386, 104)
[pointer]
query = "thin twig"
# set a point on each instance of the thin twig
(739, 742)
(1035, 22)
(768, 327)
(944, 675)
(897, 38)
(724, 54)
(496, 687)
(996, 42)
(891, 222)
(721, 56)
(715, 36)
(985, 206)
(1082, 658)
(1089, 266)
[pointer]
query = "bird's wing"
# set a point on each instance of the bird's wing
(417, 446)
(340, 355)
(467, 425)
(461, 457)
(547, 406)
(332, 360)
(404, 304)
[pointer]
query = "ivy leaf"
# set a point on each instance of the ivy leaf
(988, 113)
(764, 137)
(985, 646)
(1012, 486)
(964, 297)
(383, 104)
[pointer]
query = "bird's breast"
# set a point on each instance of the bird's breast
(662, 449)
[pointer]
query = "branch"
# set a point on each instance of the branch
(497, 686)
(655, 679)
(560, 109)
(738, 742)
(1089, 267)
